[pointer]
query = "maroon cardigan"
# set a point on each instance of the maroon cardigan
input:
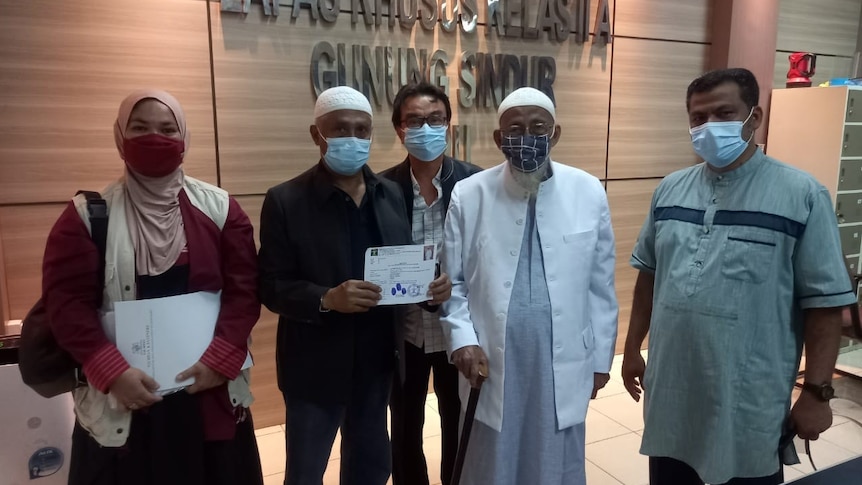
(223, 260)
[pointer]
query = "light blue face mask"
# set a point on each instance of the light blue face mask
(719, 143)
(347, 155)
(426, 143)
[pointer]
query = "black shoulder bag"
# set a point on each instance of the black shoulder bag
(45, 366)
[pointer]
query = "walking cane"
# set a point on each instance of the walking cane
(470, 415)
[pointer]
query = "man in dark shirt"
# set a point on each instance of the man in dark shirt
(420, 115)
(336, 350)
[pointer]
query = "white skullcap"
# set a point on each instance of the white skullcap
(527, 97)
(339, 98)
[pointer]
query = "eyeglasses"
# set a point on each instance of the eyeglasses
(535, 129)
(435, 121)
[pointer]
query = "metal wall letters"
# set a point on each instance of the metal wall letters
(505, 18)
(484, 79)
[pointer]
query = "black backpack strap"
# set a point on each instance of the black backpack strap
(97, 212)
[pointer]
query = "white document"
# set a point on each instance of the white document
(165, 336)
(403, 272)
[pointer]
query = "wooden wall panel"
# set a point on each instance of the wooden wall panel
(268, 408)
(24, 230)
(65, 67)
(648, 120)
(265, 99)
(827, 67)
(823, 27)
(4, 290)
(252, 206)
(685, 20)
(629, 202)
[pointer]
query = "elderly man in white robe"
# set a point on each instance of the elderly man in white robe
(530, 251)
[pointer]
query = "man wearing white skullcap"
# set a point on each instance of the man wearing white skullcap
(336, 350)
(341, 98)
(530, 250)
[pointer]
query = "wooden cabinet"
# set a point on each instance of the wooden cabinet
(820, 131)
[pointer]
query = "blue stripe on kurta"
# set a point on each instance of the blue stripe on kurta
(639, 260)
(719, 404)
(759, 219)
(848, 292)
(677, 213)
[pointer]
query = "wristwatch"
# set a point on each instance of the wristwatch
(321, 308)
(824, 392)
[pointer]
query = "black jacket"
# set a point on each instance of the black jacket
(304, 251)
(453, 170)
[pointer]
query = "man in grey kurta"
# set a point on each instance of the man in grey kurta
(531, 245)
(740, 264)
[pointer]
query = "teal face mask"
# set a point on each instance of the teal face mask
(347, 155)
(719, 143)
(426, 143)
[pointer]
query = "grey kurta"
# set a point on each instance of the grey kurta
(529, 449)
(737, 256)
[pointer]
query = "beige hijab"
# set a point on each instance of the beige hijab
(152, 204)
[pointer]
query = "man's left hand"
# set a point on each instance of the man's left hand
(440, 289)
(205, 378)
(810, 416)
(599, 382)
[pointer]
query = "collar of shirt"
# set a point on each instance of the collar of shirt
(435, 181)
(325, 183)
(746, 168)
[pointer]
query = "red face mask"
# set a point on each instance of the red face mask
(153, 155)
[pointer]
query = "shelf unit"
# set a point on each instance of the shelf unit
(819, 130)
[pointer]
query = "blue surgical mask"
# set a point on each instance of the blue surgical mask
(347, 155)
(526, 153)
(425, 143)
(719, 143)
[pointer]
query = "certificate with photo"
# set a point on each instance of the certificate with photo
(403, 272)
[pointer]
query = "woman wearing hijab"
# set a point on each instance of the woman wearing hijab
(168, 234)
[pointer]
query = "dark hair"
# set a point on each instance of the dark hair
(421, 88)
(749, 91)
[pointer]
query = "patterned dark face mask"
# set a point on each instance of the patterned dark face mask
(526, 153)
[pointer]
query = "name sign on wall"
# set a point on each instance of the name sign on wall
(477, 51)
(484, 78)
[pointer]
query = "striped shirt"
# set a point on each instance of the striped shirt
(737, 257)
(422, 327)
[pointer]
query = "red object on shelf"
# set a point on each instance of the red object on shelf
(801, 69)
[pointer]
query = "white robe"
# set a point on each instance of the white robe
(483, 236)
(529, 449)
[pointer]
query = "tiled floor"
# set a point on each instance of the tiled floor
(614, 425)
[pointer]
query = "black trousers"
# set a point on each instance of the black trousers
(668, 471)
(365, 453)
(407, 406)
(166, 447)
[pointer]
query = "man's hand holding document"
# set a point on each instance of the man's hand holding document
(403, 272)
